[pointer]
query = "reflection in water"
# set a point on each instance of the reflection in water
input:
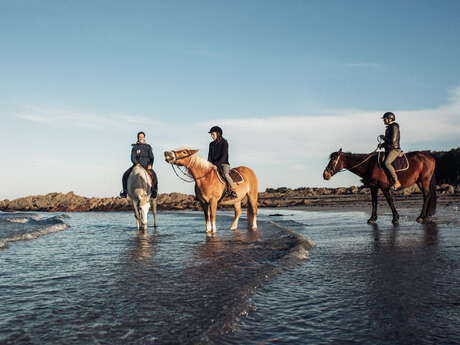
(431, 233)
(401, 283)
(144, 246)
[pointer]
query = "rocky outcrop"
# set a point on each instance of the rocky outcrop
(279, 197)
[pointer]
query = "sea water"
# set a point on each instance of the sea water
(88, 278)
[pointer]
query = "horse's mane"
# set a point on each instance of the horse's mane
(200, 162)
(197, 161)
(354, 155)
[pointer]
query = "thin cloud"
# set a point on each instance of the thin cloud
(364, 65)
(66, 118)
(287, 139)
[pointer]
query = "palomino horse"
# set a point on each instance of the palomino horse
(140, 191)
(209, 188)
(420, 171)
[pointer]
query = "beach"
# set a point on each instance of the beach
(318, 276)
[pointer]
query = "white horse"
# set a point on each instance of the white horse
(140, 191)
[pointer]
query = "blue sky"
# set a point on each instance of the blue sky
(289, 82)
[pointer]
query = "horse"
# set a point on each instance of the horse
(420, 171)
(209, 189)
(140, 191)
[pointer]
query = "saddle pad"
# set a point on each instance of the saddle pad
(400, 164)
(234, 174)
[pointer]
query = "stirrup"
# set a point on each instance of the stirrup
(233, 195)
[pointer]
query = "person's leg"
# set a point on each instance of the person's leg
(226, 172)
(154, 183)
(391, 156)
(124, 182)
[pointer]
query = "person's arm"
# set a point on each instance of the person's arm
(210, 152)
(151, 157)
(134, 155)
(394, 136)
(223, 153)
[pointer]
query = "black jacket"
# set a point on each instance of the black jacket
(392, 137)
(142, 154)
(218, 152)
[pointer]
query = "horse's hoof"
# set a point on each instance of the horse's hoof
(371, 221)
(420, 220)
(395, 221)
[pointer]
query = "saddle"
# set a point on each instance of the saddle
(234, 174)
(153, 176)
(400, 164)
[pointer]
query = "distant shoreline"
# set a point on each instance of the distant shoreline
(302, 198)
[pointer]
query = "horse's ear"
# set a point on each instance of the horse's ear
(193, 151)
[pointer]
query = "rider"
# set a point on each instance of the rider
(218, 155)
(392, 148)
(140, 153)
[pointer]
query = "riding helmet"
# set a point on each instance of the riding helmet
(216, 129)
(389, 115)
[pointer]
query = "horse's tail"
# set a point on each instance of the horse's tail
(431, 210)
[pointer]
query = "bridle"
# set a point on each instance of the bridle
(185, 173)
(331, 171)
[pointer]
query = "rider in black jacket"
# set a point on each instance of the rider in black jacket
(218, 155)
(392, 148)
(141, 153)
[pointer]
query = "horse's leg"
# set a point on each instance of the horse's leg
(252, 209)
(213, 207)
(237, 206)
(374, 193)
(154, 210)
(424, 186)
(205, 207)
(136, 214)
(389, 196)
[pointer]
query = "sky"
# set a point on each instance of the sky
(288, 81)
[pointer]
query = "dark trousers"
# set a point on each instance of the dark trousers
(124, 179)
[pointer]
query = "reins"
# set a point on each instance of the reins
(192, 179)
(362, 162)
(184, 173)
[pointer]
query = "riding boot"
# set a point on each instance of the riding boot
(231, 193)
(154, 192)
(396, 185)
(124, 182)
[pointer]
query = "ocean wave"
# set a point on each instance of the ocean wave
(22, 227)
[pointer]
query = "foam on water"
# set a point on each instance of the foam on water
(24, 226)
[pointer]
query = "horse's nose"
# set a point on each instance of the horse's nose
(326, 175)
(168, 155)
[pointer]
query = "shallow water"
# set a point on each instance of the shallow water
(363, 284)
(96, 282)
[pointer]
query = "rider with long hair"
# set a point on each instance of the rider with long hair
(141, 153)
(218, 155)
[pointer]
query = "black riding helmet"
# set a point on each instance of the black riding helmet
(389, 115)
(216, 129)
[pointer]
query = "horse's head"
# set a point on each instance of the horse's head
(143, 205)
(335, 165)
(180, 156)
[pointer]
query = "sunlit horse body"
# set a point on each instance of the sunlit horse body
(209, 188)
(420, 171)
(140, 191)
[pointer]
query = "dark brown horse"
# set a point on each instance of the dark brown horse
(420, 171)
